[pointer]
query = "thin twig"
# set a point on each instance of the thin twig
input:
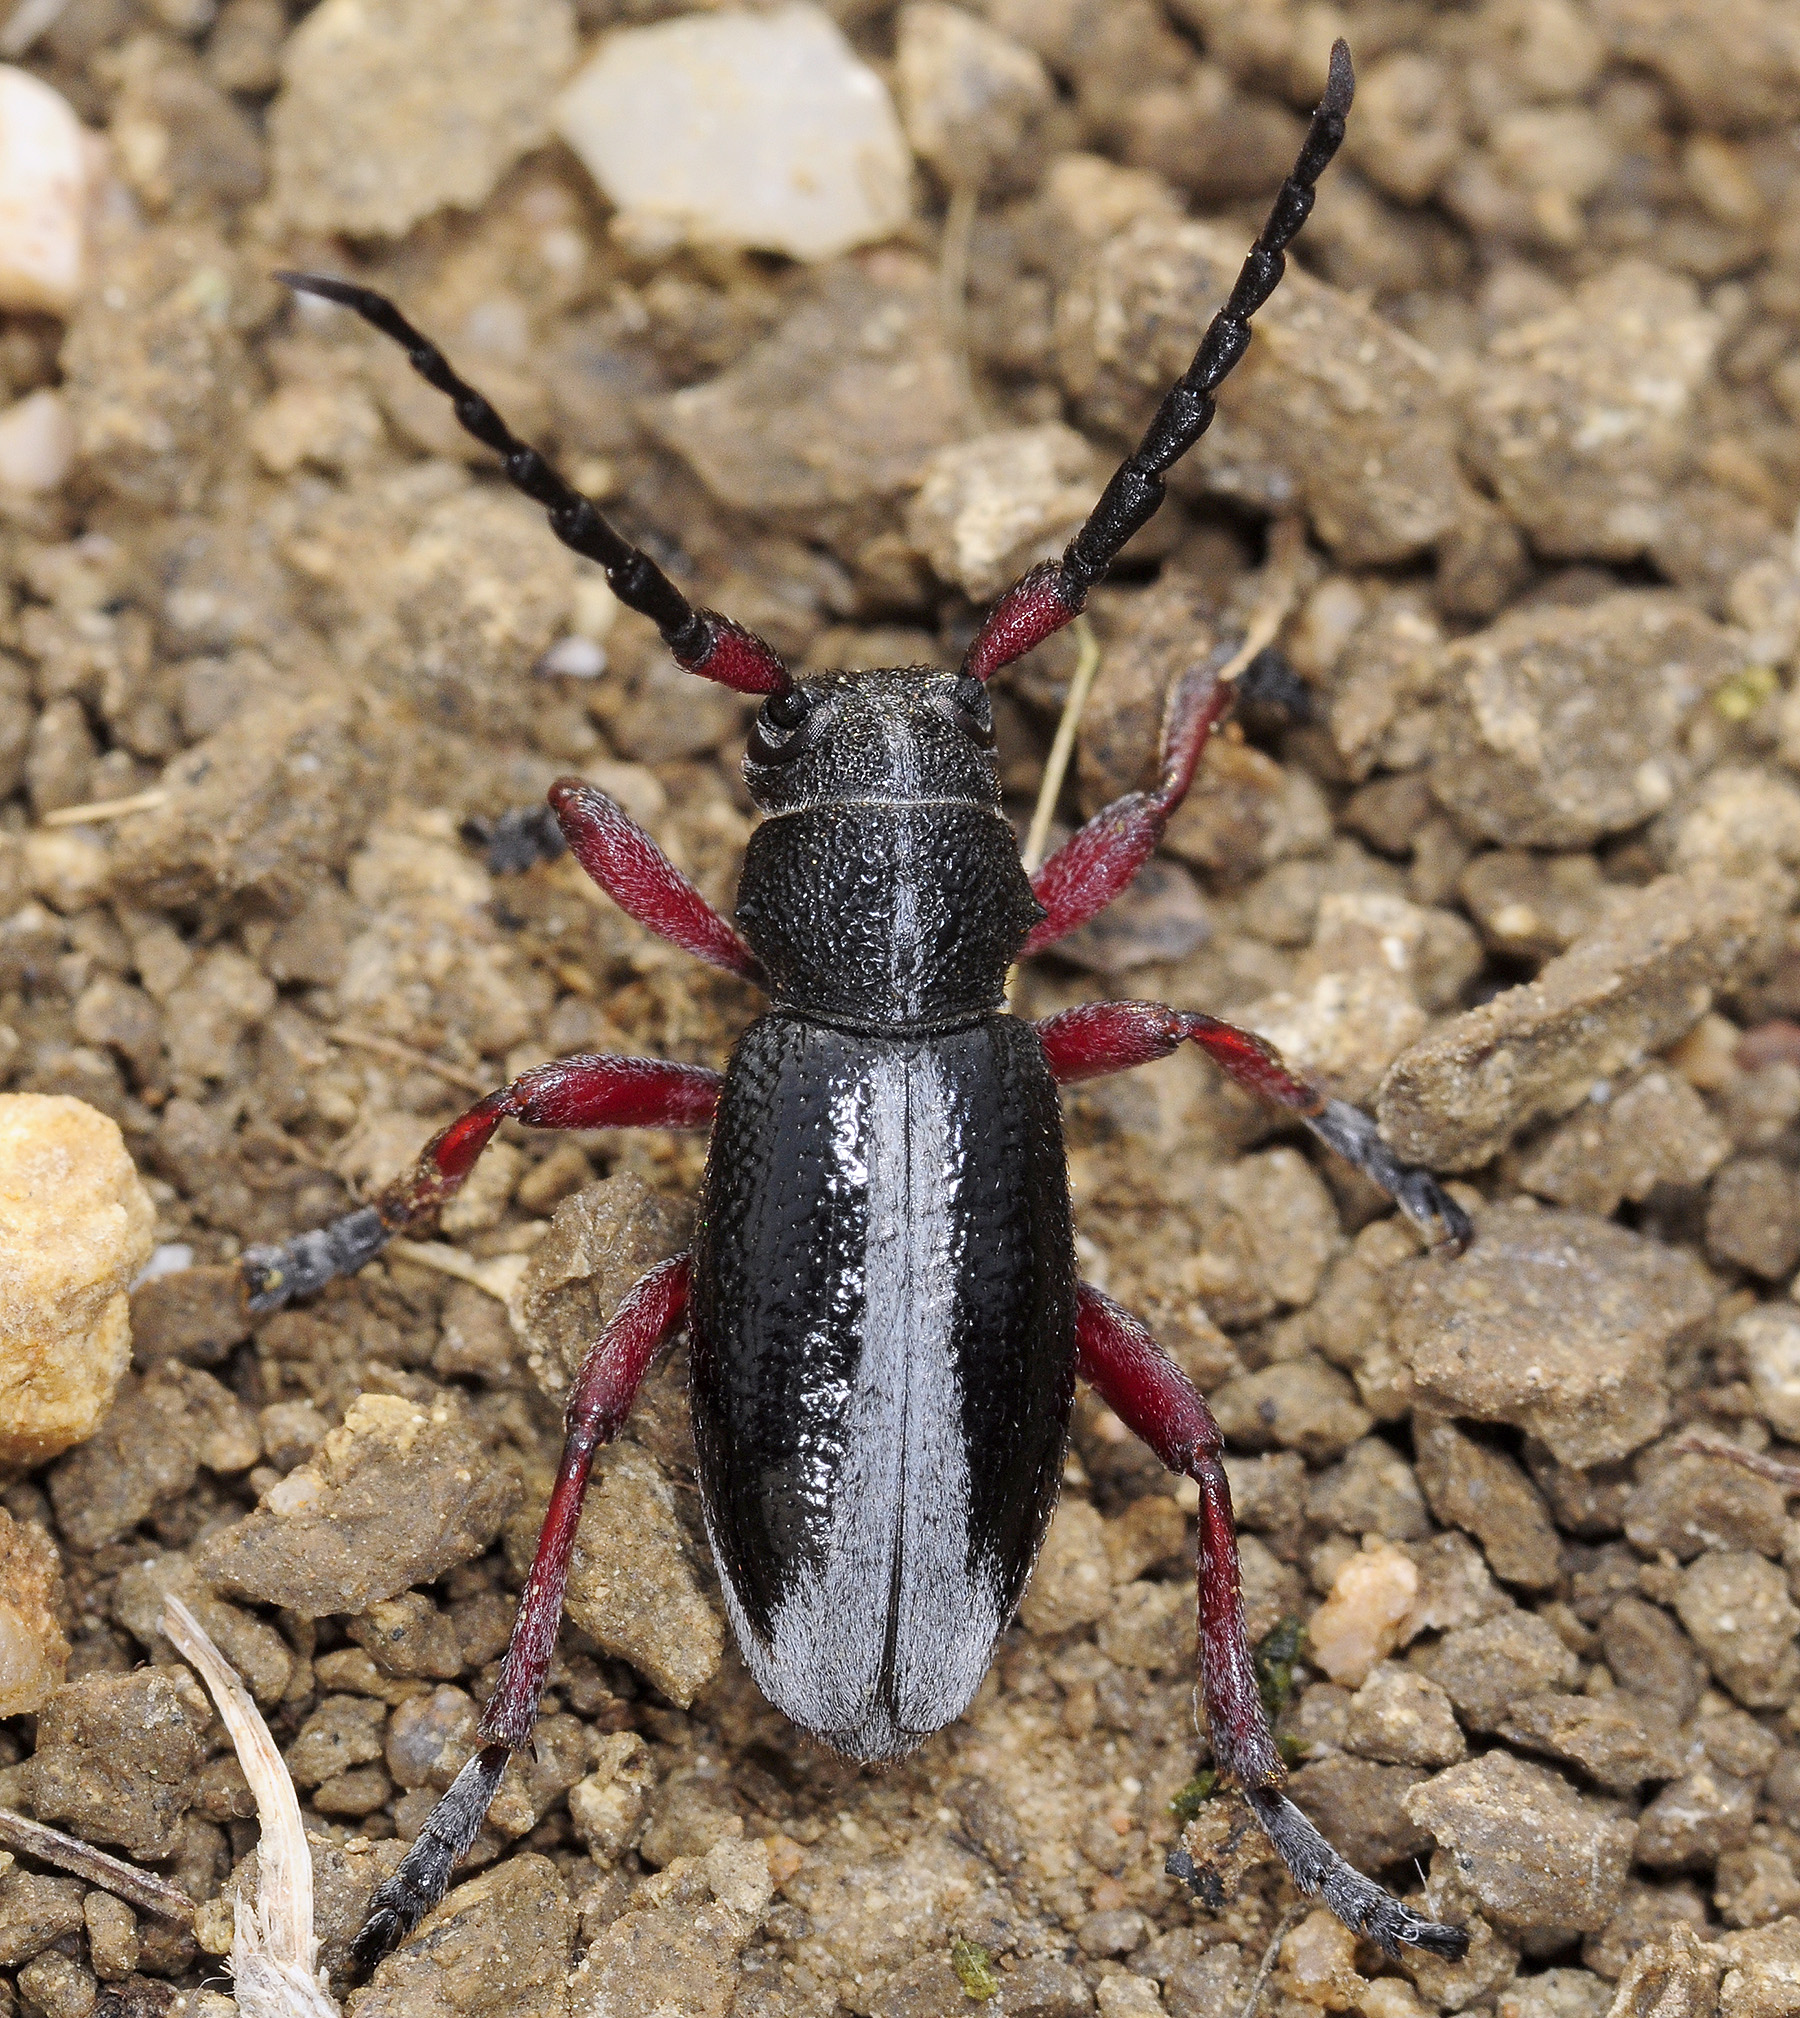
(69, 1853)
(953, 281)
(1056, 769)
(274, 1950)
(1280, 588)
(498, 1275)
(1787, 1476)
(406, 1054)
(1283, 1927)
(106, 809)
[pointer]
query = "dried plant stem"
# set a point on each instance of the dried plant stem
(1280, 590)
(106, 809)
(407, 1054)
(498, 1275)
(1289, 1920)
(1787, 1476)
(274, 1951)
(1056, 768)
(953, 281)
(69, 1853)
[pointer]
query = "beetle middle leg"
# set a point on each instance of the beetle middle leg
(584, 1092)
(1098, 1038)
(599, 1401)
(1150, 1394)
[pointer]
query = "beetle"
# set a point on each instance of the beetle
(881, 1297)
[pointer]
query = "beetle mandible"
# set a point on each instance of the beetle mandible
(885, 1318)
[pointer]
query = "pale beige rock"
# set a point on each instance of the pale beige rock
(389, 113)
(1769, 1338)
(1360, 1622)
(683, 1931)
(1556, 1323)
(75, 1227)
(988, 508)
(967, 92)
(1644, 976)
(44, 175)
(37, 442)
(741, 129)
(1581, 419)
(34, 1655)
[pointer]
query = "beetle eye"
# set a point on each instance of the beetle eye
(772, 739)
(971, 710)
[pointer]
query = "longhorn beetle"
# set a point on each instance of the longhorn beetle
(885, 1319)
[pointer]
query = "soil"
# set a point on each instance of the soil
(1514, 860)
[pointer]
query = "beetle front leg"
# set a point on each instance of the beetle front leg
(636, 874)
(1104, 1037)
(599, 1401)
(1099, 861)
(1150, 1394)
(582, 1092)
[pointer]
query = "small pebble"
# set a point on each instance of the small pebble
(44, 171)
(33, 1652)
(757, 130)
(75, 1227)
(1360, 1622)
(37, 442)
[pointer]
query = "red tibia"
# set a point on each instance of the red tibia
(1102, 1037)
(636, 874)
(737, 658)
(1034, 608)
(1150, 1394)
(1096, 863)
(599, 1402)
(582, 1092)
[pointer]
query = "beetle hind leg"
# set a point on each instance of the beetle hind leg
(1144, 1387)
(599, 1401)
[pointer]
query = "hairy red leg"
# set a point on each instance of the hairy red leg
(1096, 863)
(1151, 1395)
(582, 1092)
(600, 1400)
(1102, 1037)
(636, 874)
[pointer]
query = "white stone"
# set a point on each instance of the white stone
(37, 442)
(734, 129)
(1769, 1338)
(44, 163)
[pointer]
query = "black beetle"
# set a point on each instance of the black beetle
(885, 1318)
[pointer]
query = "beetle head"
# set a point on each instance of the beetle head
(906, 733)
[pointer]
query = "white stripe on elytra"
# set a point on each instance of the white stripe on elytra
(898, 1533)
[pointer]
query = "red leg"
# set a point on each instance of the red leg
(636, 874)
(1103, 1037)
(1091, 868)
(589, 1092)
(599, 1402)
(1148, 1392)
